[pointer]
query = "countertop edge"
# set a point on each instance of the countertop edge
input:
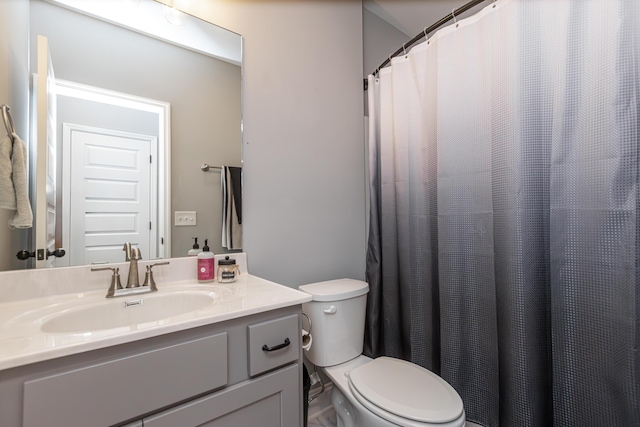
(292, 298)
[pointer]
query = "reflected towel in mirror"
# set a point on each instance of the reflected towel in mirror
(231, 182)
(13, 181)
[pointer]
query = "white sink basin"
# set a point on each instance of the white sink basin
(126, 311)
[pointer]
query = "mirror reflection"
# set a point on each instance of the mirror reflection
(135, 118)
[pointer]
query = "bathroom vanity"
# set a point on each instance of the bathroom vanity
(235, 361)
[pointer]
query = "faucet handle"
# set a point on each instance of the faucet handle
(135, 254)
(148, 276)
(127, 251)
(115, 280)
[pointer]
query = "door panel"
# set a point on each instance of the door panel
(110, 184)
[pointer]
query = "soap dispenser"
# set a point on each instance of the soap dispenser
(206, 264)
(196, 248)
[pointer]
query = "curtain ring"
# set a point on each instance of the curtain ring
(425, 32)
(453, 13)
(404, 50)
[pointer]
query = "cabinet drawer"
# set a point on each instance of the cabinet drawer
(272, 400)
(273, 343)
(121, 389)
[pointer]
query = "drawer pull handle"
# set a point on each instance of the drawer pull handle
(277, 347)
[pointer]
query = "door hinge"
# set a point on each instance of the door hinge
(149, 225)
(150, 158)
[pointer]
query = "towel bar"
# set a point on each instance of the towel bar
(205, 167)
(8, 121)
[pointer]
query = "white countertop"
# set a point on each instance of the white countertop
(23, 342)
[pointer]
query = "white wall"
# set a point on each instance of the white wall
(303, 144)
(14, 90)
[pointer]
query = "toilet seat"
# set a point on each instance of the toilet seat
(404, 393)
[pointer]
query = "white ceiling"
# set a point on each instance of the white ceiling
(412, 16)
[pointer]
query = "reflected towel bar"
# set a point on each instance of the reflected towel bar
(205, 167)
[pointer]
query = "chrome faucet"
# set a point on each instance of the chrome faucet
(132, 255)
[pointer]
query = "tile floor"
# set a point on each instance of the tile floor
(321, 413)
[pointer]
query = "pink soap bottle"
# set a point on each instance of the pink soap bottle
(206, 270)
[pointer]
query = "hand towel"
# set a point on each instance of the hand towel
(7, 192)
(231, 203)
(235, 175)
(13, 181)
(23, 217)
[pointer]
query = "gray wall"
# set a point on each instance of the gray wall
(204, 94)
(303, 143)
(304, 181)
(14, 91)
(380, 39)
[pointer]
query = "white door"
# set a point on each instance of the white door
(45, 159)
(110, 181)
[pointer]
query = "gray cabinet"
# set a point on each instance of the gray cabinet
(273, 343)
(265, 401)
(239, 372)
(124, 388)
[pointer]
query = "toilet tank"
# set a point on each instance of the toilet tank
(337, 314)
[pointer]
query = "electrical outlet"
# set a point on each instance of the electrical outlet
(185, 218)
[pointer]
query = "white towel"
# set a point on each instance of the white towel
(14, 194)
(7, 192)
(23, 217)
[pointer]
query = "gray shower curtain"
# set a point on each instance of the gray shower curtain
(503, 246)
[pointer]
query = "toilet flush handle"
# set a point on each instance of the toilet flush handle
(330, 310)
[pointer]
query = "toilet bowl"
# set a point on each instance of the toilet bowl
(381, 392)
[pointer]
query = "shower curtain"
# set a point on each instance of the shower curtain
(503, 245)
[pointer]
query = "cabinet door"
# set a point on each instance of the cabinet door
(107, 393)
(272, 400)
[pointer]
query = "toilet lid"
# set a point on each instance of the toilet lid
(406, 390)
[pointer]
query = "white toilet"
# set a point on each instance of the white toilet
(371, 392)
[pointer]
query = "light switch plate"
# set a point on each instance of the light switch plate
(185, 218)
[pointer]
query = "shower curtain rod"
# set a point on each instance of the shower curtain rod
(462, 9)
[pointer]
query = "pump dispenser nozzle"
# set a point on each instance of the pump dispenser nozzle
(195, 250)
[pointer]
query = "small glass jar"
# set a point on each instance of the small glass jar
(228, 270)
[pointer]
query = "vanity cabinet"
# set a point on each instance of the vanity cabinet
(241, 372)
(260, 402)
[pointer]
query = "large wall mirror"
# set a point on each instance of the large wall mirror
(136, 116)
